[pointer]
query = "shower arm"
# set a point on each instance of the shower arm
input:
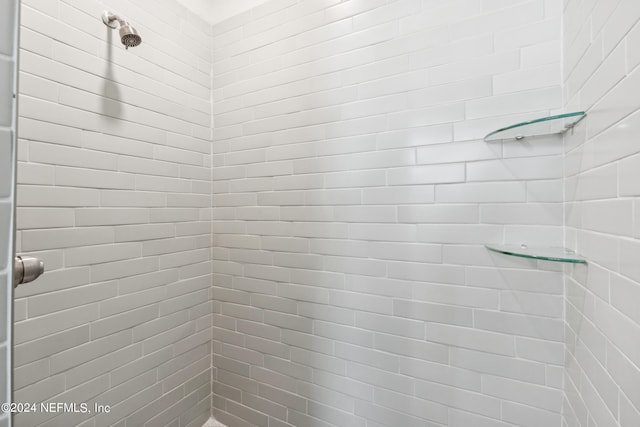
(110, 20)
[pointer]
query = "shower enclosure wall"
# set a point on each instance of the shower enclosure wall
(115, 195)
(280, 220)
(353, 194)
(602, 164)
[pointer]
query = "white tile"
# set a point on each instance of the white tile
(527, 35)
(596, 183)
(363, 214)
(36, 174)
(339, 247)
(397, 195)
(535, 235)
(428, 116)
(611, 217)
(632, 56)
(355, 179)
(528, 394)
(383, 232)
(494, 364)
(50, 324)
(457, 152)
(365, 267)
(110, 216)
(531, 303)
(366, 160)
(628, 412)
(463, 337)
(597, 408)
(611, 71)
(528, 213)
(614, 105)
(540, 54)
(437, 14)
(461, 418)
(405, 252)
(515, 169)
(425, 135)
(521, 325)
(627, 173)
(456, 295)
(98, 254)
(545, 191)
(378, 286)
(390, 325)
(627, 266)
(397, 83)
(34, 218)
(533, 100)
(529, 416)
(527, 79)
(93, 179)
(433, 313)
(375, 106)
(452, 92)
(517, 16)
(623, 292)
(582, 62)
(459, 233)
(45, 196)
(602, 249)
(491, 192)
(460, 398)
(620, 22)
(436, 273)
(411, 406)
(431, 174)
(470, 68)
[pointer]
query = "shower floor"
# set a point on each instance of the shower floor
(213, 423)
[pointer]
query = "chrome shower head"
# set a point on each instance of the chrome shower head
(128, 35)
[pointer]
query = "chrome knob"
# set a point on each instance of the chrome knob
(26, 269)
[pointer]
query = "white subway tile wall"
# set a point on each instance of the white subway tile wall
(115, 195)
(352, 198)
(352, 194)
(8, 72)
(601, 76)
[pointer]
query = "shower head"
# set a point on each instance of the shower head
(128, 35)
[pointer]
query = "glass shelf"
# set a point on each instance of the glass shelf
(538, 252)
(544, 126)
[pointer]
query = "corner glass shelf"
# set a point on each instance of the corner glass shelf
(544, 126)
(538, 252)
